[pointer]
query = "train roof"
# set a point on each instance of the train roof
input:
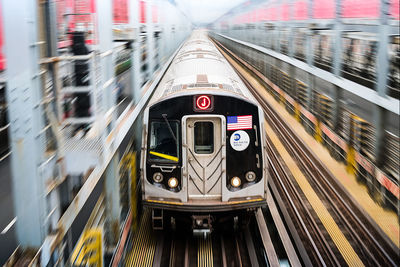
(199, 68)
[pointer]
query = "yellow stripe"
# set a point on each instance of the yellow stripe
(164, 202)
(230, 202)
(246, 201)
(165, 156)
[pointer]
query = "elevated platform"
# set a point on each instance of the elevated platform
(385, 218)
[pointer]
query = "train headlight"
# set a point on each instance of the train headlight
(158, 177)
(172, 182)
(235, 181)
(250, 176)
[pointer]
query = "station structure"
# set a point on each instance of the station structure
(336, 64)
(76, 76)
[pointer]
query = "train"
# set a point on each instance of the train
(203, 158)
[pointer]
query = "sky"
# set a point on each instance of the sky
(205, 11)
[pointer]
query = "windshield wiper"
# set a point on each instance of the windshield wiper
(169, 127)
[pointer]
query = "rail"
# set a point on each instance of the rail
(236, 242)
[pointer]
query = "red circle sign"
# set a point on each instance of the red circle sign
(203, 102)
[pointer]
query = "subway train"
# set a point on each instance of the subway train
(203, 157)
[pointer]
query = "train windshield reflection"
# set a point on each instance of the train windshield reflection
(163, 146)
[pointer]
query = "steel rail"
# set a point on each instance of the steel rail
(317, 243)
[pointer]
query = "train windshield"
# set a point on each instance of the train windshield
(163, 146)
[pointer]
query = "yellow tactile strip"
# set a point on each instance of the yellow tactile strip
(386, 219)
(143, 244)
(329, 223)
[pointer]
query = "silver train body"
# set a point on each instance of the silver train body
(203, 143)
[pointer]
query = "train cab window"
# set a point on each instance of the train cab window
(203, 137)
(163, 146)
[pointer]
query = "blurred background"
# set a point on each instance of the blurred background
(72, 69)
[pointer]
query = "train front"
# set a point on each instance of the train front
(203, 158)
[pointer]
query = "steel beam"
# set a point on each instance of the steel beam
(382, 64)
(105, 47)
(135, 55)
(337, 64)
(112, 190)
(150, 37)
(363, 92)
(23, 93)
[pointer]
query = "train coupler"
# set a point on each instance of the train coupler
(202, 225)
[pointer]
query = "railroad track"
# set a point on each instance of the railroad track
(372, 246)
(314, 248)
(225, 247)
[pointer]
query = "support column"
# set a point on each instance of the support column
(150, 37)
(337, 45)
(337, 107)
(337, 65)
(135, 55)
(23, 93)
(310, 77)
(309, 57)
(379, 122)
(278, 38)
(382, 66)
(291, 41)
(105, 39)
(113, 208)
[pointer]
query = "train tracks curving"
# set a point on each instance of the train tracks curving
(372, 246)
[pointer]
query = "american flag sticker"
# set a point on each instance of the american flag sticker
(239, 122)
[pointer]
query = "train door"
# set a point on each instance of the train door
(204, 155)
